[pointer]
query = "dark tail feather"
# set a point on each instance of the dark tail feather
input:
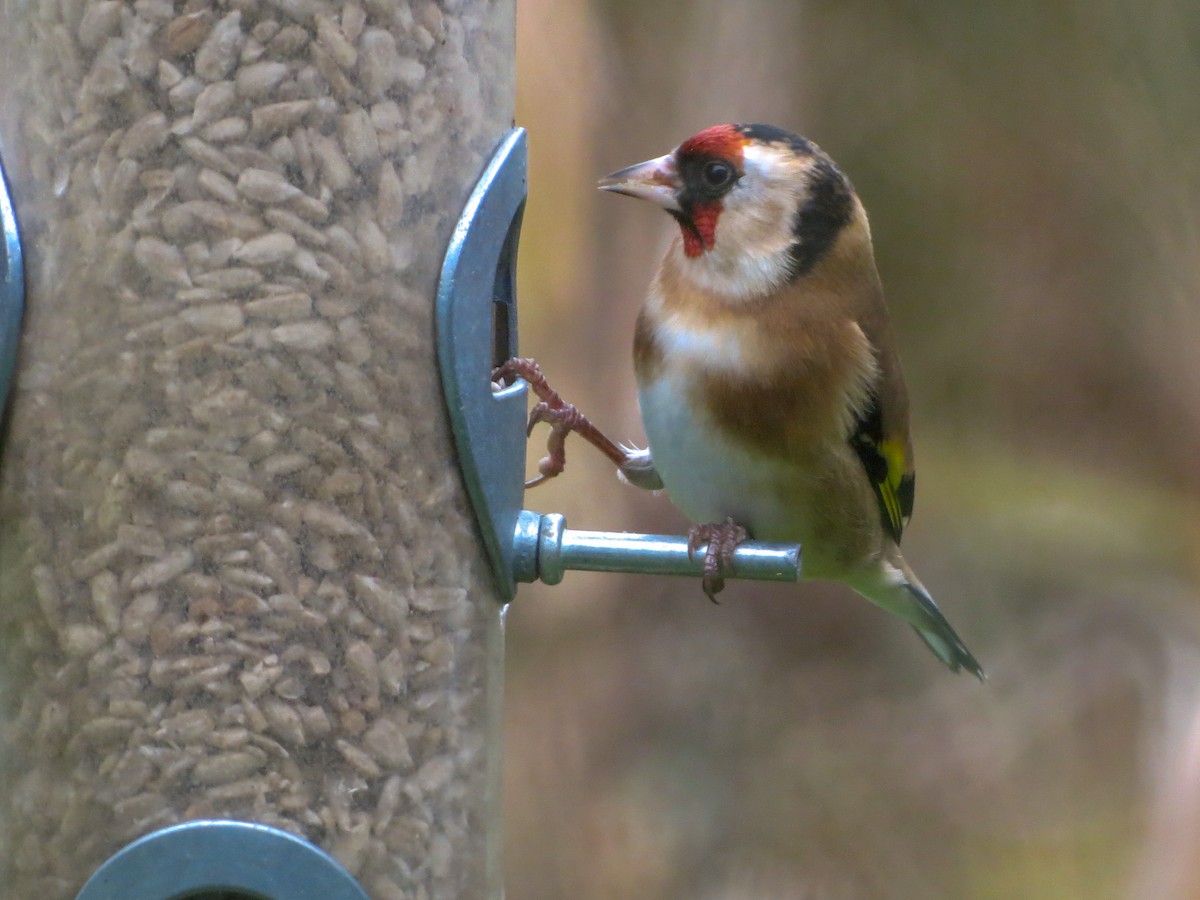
(941, 638)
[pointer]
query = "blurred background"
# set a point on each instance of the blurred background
(1032, 172)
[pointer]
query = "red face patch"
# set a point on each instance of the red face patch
(702, 234)
(719, 140)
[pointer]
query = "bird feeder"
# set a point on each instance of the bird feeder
(249, 643)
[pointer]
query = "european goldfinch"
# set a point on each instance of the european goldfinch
(768, 379)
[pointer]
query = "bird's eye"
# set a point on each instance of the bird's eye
(717, 174)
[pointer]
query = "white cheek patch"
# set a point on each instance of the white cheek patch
(759, 164)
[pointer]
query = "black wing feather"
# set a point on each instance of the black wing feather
(886, 465)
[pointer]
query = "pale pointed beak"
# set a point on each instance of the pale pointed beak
(656, 180)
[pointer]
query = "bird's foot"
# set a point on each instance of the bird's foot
(562, 417)
(720, 540)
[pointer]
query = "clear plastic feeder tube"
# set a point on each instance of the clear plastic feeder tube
(238, 574)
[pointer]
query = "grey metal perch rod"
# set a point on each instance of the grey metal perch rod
(545, 549)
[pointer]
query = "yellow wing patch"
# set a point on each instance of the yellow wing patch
(885, 460)
(895, 490)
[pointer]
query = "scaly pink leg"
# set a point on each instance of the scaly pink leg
(721, 540)
(562, 417)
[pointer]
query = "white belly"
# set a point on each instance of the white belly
(709, 477)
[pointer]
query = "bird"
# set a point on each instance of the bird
(768, 379)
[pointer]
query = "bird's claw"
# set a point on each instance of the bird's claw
(562, 420)
(562, 417)
(720, 540)
(550, 408)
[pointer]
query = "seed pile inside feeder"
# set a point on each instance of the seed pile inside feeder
(237, 575)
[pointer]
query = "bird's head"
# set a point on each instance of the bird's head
(756, 205)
